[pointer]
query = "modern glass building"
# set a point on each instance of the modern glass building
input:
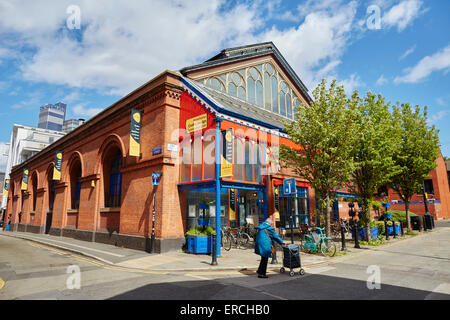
(52, 117)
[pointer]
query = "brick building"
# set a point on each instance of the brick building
(235, 101)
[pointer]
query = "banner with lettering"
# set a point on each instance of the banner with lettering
(24, 179)
(135, 133)
(58, 165)
(6, 188)
(226, 163)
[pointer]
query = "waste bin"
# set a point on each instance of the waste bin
(415, 223)
(428, 221)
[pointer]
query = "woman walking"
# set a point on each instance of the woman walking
(263, 245)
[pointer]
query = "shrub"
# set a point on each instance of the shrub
(201, 231)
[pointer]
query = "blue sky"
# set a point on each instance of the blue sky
(402, 53)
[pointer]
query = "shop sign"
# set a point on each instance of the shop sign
(157, 150)
(197, 123)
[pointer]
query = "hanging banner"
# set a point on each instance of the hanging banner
(6, 188)
(197, 123)
(58, 165)
(226, 163)
(277, 204)
(135, 133)
(24, 179)
(232, 205)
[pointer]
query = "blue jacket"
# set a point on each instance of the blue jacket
(263, 242)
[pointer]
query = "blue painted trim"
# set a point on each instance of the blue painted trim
(228, 112)
(417, 202)
(218, 228)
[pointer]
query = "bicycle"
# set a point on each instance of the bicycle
(240, 239)
(317, 241)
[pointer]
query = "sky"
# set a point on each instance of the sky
(89, 54)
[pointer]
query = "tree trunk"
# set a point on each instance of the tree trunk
(408, 220)
(328, 217)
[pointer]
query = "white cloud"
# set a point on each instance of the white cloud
(407, 52)
(81, 110)
(351, 84)
(438, 116)
(436, 62)
(381, 81)
(441, 102)
(402, 14)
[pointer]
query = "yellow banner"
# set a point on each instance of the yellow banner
(58, 166)
(24, 180)
(197, 123)
(226, 168)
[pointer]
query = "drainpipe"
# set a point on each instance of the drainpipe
(218, 227)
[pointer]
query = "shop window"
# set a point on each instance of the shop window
(75, 185)
(238, 157)
(429, 186)
(197, 158)
(258, 164)
(209, 157)
(248, 167)
(185, 175)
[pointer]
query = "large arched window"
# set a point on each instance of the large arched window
(75, 184)
(50, 189)
(112, 178)
(34, 191)
(262, 84)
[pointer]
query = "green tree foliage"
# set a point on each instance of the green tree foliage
(416, 154)
(325, 133)
(375, 142)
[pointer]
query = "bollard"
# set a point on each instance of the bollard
(393, 227)
(343, 247)
(425, 223)
(274, 256)
(401, 229)
(386, 229)
(214, 248)
(356, 237)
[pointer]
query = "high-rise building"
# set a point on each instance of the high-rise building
(71, 124)
(52, 116)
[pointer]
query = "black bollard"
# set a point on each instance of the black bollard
(343, 247)
(401, 229)
(356, 237)
(386, 229)
(214, 249)
(393, 226)
(425, 223)
(274, 256)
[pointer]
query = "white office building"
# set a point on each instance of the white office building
(26, 142)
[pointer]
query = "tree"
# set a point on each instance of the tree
(375, 141)
(417, 152)
(324, 135)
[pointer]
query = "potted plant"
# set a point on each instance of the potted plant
(385, 203)
(199, 240)
(204, 217)
(362, 231)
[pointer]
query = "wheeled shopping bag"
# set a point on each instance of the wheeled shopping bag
(291, 259)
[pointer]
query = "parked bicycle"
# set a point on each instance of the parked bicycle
(316, 241)
(239, 238)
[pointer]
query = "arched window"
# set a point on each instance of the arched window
(238, 156)
(51, 189)
(113, 179)
(34, 191)
(248, 167)
(75, 184)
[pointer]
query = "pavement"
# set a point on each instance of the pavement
(179, 261)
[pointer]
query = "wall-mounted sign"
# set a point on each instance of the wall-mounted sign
(6, 188)
(226, 163)
(58, 165)
(197, 123)
(24, 179)
(289, 186)
(157, 150)
(232, 204)
(135, 133)
(172, 147)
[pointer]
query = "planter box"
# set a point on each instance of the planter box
(362, 234)
(203, 206)
(199, 244)
(203, 222)
(391, 230)
(386, 204)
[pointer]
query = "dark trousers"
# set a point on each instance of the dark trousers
(263, 266)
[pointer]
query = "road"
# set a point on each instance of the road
(417, 268)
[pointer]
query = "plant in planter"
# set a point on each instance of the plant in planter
(199, 239)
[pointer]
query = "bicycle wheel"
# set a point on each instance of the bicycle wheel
(226, 243)
(328, 247)
(243, 241)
